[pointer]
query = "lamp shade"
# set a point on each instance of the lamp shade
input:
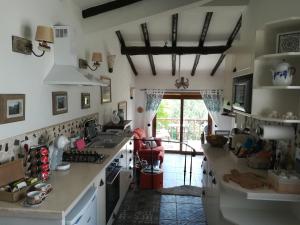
(44, 34)
(97, 57)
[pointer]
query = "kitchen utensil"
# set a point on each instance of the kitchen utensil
(35, 197)
(43, 187)
(283, 74)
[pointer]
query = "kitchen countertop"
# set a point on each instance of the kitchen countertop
(69, 186)
(223, 162)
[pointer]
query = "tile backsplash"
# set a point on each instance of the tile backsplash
(11, 147)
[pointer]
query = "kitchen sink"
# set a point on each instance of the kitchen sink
(106, 141)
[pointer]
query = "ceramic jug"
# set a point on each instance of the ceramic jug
(283, 73)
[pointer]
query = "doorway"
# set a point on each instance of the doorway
(181, 117)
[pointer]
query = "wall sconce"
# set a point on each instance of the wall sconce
(44, 35)
(111, 62)
(96, 58)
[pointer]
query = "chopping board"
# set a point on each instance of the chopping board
(246, 180)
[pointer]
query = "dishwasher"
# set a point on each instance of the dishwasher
(85, 211)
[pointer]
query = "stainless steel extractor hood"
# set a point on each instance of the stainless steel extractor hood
(65, 70)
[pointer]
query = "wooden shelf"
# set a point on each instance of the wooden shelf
(279, 87)
(278, 56)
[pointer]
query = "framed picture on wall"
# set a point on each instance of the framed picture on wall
(12, 108)
(105, 90)
(85, 100)
(59, 102)
(123, 106)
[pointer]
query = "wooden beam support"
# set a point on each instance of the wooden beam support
(137, 50)
(147, 43)
(122, 43)
(174, 41)
(202, 39)
(93, 11)
(229, 43)
(218, 64)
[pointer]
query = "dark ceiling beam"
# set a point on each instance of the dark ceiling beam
(137, 50)
(174, 41)
(122, 43)
(229, 43)
(93, 11)
(218, 64)
(147, 44)
(202, 39)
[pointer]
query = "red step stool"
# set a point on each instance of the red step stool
(146, 180)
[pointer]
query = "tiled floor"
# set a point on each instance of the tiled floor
(148, 207)
(173, 167)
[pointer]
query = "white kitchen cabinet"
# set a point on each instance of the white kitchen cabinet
(101, 198)
(126, 174)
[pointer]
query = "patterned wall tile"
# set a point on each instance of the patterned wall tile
(10, 148)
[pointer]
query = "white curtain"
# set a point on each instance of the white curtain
(153, 99)
(213, 100)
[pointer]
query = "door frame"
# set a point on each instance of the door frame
(182, 97)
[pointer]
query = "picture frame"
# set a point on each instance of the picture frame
(288, 42)
(12, 108)
(59, 102)
(85, 100)
(105, 90)
(123, 106)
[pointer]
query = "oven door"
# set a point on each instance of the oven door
(112, 191)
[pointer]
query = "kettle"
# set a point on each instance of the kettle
(283, 73)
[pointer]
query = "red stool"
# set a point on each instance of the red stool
(146, 180)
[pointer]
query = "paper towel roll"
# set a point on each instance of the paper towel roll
(276, 132)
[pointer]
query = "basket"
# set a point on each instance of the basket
(216, 140)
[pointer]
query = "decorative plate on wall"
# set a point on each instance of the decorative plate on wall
(288, 42)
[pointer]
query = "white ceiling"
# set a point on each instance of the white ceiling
(190, 25)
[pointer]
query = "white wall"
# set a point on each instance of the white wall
(24, 74)
(121, 78)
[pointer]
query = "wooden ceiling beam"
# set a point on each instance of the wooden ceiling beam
(147, 44)
(109, 6)
(138, 50)
(202, 39)
(122, 43)
(229, 43)
(174, 41)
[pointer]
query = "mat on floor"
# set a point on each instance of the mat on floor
(182, 190)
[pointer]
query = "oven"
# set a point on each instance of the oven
(112, 186)
(242, 93)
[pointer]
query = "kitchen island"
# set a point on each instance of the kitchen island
(228, 203)
(69, 187)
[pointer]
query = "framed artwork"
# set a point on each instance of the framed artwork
(85, 100)
(59, 102)
(12, 108)
(288, 42)
(123, 106)
(105, 90)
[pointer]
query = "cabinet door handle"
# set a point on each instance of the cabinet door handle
(214, 181)
(205, 159)
(130, 159)
(203, 193)
(101, 183)
(130, 143)
(130, 151)
(121, 156)
(210, 173)
(130, 167)
(204, 171)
